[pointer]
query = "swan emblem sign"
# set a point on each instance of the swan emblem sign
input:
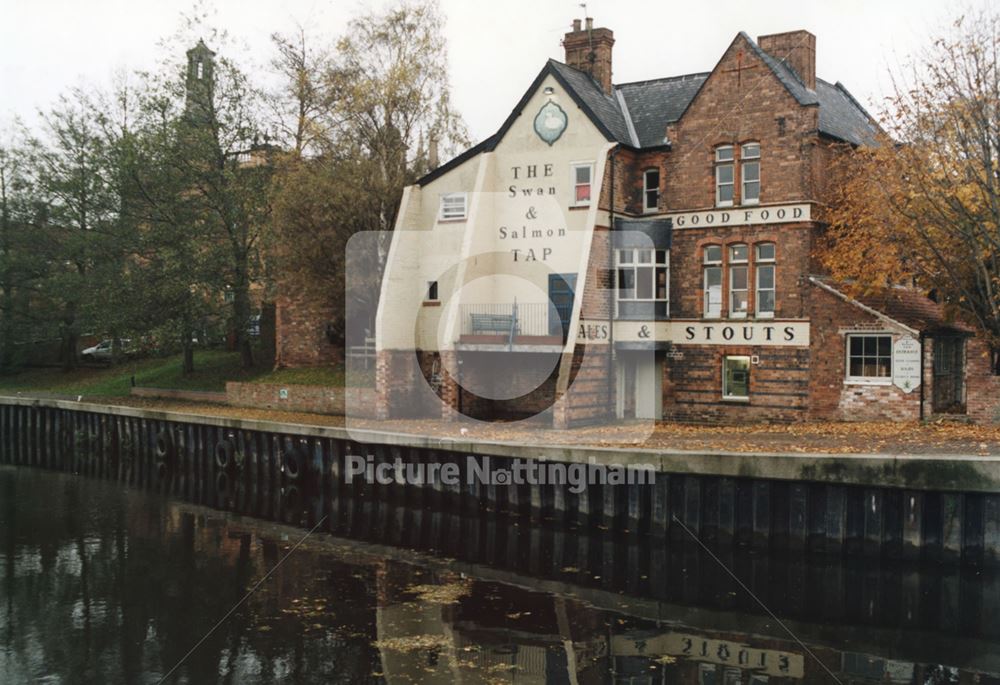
(550, 122)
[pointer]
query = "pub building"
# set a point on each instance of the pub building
(646, 250)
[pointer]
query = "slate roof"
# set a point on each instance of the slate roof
(604, 107)
(842, 117)
(637, 114)
(907, 306)
(654, 104)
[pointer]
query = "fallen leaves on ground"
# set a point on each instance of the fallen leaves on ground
(944, 436)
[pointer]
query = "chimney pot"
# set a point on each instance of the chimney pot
(576, 25)
(590, 23)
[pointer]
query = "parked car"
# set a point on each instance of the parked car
(101, 352)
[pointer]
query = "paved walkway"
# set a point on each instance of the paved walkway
(940, 438)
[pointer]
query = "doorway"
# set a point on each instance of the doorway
(640, 385)
(949, 375)
(561, 291)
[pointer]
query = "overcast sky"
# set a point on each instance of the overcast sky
(495, 48)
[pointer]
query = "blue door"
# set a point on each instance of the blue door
(561, 290)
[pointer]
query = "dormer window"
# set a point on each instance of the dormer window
(453, 207)
(724, 176)
(651, 190)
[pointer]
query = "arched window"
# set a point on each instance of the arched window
(738, 281)
(764, 262)
(712, 280)
(724, 176)
(750, 173)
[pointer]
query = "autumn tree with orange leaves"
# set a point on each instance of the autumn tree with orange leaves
(923, 207)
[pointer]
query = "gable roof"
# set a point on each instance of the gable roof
(636, 115)
(907, 307)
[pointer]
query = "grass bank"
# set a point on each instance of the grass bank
(212, 369)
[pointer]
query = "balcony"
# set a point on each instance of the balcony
(535, 326)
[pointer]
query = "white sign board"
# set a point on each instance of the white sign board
(698, 332)
(906, 364)
(742, 216)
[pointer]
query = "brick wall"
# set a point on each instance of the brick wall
(830, 397)
(778, 384)
(300, 329)
(742, 101)
(302, 398)
(982, 387)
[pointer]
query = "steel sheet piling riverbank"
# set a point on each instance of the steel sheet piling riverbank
(934, 509)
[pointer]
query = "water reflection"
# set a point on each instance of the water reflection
(107, 585)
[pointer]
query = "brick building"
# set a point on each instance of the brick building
(647, 250)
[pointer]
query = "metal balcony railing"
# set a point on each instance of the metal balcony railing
(511, 320)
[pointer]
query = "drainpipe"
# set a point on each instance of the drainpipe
(922, 379)
(611, 272)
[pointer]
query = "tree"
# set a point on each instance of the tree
(301, 103)
(20, 266)
(387, 95)
(924, 206)
(222, 157)
(76, 230)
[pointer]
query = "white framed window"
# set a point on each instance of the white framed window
(200, 70)
(738, 280)
(712, 281)
(724, 176)
(453, 206)
(581, 174)
(432, 291)
(736, 378)
(651, 190)
(765, 267)
(869, 358)
(750, 173)
(643, 286)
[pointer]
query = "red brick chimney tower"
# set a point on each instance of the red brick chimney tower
(589, 49)
(798, 49)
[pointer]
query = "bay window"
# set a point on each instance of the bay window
(712, 259)
(765, 280)
(643, 286)
(738, 280)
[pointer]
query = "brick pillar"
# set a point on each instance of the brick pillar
(449, 385)
(383, 364)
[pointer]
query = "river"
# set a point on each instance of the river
(102, 583)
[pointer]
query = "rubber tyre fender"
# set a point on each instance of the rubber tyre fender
(165, 446)
(224, 450)
(293, 463)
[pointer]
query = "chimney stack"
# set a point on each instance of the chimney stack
(797, 49)
(589, 49)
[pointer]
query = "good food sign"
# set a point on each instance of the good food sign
(742, 216)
